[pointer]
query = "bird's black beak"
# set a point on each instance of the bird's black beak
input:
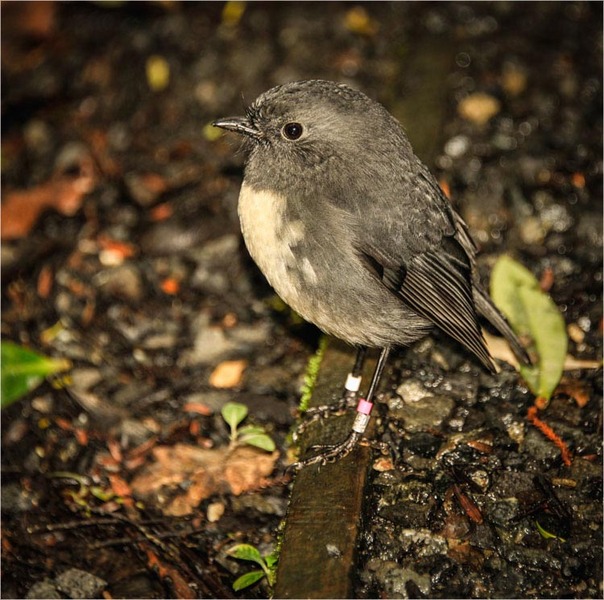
(239, 125)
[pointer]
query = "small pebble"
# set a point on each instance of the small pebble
(422, 415)
(122, 282)
(412, 391)
(80, 584)
(215, 511)
(46, 588)
(457, 146)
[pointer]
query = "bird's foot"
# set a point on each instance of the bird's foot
(329, 453)
(333, 453)
(336, 409)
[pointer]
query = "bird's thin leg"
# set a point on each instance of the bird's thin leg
(347, 400)
(353, 381)
(337, 451)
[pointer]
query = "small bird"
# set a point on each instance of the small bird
(354, 233)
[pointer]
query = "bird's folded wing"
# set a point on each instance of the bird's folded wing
(437, 285)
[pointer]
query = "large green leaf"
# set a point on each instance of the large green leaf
(532, 314)
(22, 370)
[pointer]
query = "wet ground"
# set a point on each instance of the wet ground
(122, 253)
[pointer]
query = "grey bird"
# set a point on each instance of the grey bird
(353, 232)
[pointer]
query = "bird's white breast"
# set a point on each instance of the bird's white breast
(270, 238)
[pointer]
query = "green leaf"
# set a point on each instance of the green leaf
(22, 370)
(546, 534)
(233, 413)
(271, 560)
(247, 579)
(251, 430)
(258, 440)
(532, 313)
(246, 552)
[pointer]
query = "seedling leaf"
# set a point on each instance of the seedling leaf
(22, 370)
(258, 440)
(251, 430)
(247, 579)
(532, 313)
(246, 552)
(233, 413)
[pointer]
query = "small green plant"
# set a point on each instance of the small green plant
(22, 370)
(312, 372)
(268, 565)
(252, 435)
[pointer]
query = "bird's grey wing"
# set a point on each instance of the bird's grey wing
(432, 274)
(437, 286)
(458, 227)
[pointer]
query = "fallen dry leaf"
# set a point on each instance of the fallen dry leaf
(63, 192)
(197, 408)
(575, 333)
(45, 281)
(577, 390)
(246, 468)
(228, 374)
(572, 363)
(205, 471)
(500, 349)
(383, 464)
(119, 485)
(478, 108)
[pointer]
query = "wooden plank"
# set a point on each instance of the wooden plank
(323, 521)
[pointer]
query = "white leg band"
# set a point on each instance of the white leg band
(353, 383)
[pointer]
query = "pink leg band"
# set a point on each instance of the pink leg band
(364, 407)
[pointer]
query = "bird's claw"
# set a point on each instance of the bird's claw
(328, 453)
(316, 413)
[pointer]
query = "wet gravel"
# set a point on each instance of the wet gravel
(151, 290)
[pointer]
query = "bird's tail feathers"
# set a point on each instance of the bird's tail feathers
(491, 313)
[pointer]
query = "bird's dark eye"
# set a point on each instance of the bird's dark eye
(292, 131)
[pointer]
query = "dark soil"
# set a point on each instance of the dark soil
(145, 286)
